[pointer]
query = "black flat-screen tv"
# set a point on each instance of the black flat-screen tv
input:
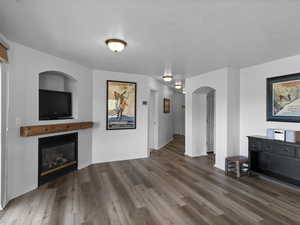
(55, 105)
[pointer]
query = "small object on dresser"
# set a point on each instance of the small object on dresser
(279, 134)
(270, 133)
(292, 136)
(238, 165)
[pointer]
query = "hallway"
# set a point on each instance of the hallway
(177, 145)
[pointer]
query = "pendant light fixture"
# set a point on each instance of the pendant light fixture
(167, 77)
(116, 45)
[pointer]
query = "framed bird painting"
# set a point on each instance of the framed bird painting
(121, 105)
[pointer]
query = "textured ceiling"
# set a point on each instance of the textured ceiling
(187, 37)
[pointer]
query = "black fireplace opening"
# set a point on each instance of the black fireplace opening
(57, 156)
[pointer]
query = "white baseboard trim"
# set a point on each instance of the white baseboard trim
(3, 204)
(117, 160)
(197, 155)
(219, 167)
(84, 165)
(178, 134)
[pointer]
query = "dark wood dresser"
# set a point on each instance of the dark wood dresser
(274, 158)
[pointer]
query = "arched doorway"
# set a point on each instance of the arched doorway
(226, 132)
(203, 117)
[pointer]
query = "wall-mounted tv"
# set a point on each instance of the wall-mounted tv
(54, 105)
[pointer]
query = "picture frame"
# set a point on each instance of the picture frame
(167, 105)
(121, 105)
(283, 100)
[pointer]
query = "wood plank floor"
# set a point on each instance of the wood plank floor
(166, 189)
(177, 145)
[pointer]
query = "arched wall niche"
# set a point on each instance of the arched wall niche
(60, 81)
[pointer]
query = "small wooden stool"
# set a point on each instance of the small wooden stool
(236, 164)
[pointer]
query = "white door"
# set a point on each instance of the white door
(152, 120)
(210, 121)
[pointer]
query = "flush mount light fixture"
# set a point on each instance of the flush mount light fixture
(116, 45)
(167, 77)
(178, 85)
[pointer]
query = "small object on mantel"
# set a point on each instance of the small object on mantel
(28, 131)
(236, 164)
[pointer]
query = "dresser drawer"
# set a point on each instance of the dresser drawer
(269, 146)
(285, 150)
(298, 152)
(280, 149)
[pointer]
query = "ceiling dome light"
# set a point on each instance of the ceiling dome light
(116, 45)
(178, 85)
(167, 77)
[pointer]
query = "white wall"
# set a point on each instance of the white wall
(3, 140)
(52, 81)
(179, 113)
(253, 98)
(152, 120)
(218, 81)
(199, 102)
(165, 126)
(233, 112)
(224, 141)
(24, 68)
(112, 145)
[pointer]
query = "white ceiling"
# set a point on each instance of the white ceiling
(188, 37)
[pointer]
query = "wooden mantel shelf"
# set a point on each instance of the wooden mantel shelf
(28, 131)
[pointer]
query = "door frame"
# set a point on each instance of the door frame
(153, 95)
(4, 82)
(210, 128)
